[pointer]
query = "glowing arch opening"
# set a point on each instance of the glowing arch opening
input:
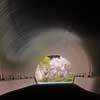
(54, 68)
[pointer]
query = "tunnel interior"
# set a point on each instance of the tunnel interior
(30, 29)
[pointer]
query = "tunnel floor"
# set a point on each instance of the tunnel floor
(51, 90)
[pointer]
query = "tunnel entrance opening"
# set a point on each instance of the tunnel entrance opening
(54, 69)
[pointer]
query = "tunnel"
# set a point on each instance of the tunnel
(31, 29)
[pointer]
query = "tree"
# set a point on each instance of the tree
(53, 69)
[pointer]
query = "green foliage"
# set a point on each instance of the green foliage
(45, 60)
(68, 78)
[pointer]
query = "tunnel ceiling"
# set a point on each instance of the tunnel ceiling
(79, 15)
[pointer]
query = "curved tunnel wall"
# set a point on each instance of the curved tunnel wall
(49, 42)
(61, 42)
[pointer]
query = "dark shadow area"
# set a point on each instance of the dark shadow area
(68, 91)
